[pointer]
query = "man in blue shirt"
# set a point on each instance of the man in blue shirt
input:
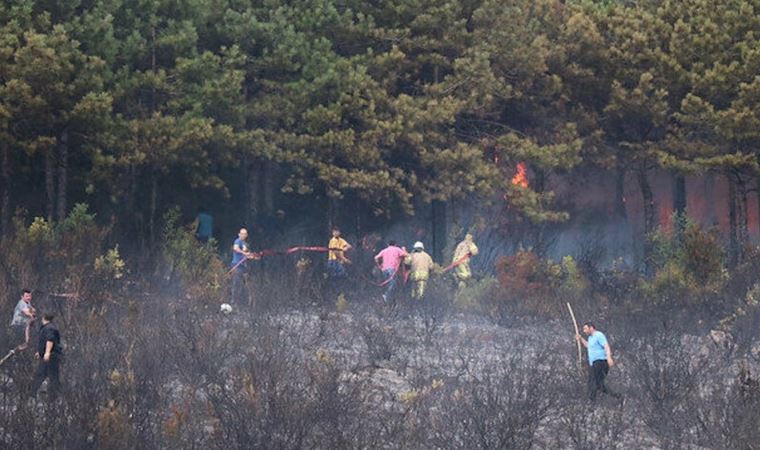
(599, 359)
(204, 226)
(240, 253)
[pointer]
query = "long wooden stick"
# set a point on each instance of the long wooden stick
(5, 358)
(578, 343)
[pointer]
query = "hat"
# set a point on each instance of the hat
(419, 245)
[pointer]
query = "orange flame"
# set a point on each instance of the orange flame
(521, 177)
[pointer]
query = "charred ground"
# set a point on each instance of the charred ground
(150, 362)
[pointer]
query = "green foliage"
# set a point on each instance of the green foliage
(195, 266)
(687, 267)
(392, 105)
(341, 305)
(574, 284)
(528, 283)
(476, 294)
(110, 266)
(68, 257)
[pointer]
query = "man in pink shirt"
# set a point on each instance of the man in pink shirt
(389, 260)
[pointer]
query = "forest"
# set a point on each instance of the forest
(530, 124)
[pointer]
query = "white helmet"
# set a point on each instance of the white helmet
(419, 245)
(226, 308)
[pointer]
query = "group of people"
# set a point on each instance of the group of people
(48, 350)
(394, 262)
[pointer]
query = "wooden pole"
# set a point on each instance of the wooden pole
(578, 343)
(5, 358)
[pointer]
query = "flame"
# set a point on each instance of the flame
(521, 177)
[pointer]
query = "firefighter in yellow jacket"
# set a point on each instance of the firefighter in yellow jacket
(420, 264)
(462, 272)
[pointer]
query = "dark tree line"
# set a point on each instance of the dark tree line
(332, 109)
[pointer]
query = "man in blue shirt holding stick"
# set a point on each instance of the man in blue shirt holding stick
(599, 359)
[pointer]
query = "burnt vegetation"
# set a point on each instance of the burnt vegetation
(153, 363)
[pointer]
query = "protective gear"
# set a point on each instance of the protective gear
(419, 246)
(420, 264)
(462, 271)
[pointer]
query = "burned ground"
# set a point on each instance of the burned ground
(168, 373)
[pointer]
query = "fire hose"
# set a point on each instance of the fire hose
(456, 263)
(288, 251)
(291, 250)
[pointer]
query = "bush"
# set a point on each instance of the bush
(536, 286)
(476, 294)
(193, 267)
(67, 257)
(687, 265)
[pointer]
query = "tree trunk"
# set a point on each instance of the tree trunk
(648, 203)
(5, 179)
(538, 231)
(438, 216)
(620, 195)
(130, 213)
(679, 194)
(712, 218)
(50, 184)
(268, 187)
(733, 239)
(153, 206)
(757, 194)
(332, 212)
(253, 198)
(679, 204)
(63, 172)
(742, 216)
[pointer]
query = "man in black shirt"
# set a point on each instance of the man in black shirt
(49, 354)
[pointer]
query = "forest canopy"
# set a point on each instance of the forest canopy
(385, 107)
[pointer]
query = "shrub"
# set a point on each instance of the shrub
(475, 294)
(536, 286)
(196, 268)
(686, 265)
(63, 257)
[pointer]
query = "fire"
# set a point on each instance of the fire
(521, 177)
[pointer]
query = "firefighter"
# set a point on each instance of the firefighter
(462, 254)
(420, 265)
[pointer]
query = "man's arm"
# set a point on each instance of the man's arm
(608, 351)
(236, 248)
(342, 254)
(580, 339)
(48, 350)
(28, 311)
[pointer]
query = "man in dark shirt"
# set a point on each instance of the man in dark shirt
(49, 354)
